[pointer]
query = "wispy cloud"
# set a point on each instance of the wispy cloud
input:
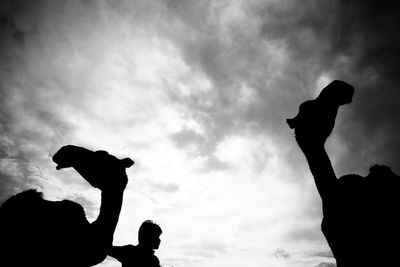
(282, 253)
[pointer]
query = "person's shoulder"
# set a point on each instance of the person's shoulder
(133, 250)
(130, 247)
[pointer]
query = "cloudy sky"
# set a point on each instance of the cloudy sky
(197, 93)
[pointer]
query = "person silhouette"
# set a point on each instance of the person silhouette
(38, 232)
(360, 220)
(141, 255)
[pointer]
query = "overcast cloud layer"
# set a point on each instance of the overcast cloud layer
(197, 92)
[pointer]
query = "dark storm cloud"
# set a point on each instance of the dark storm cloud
(230, 55)
(40, 83)
(372, 25)
(356, 41)
(32, 86)
(275, 49)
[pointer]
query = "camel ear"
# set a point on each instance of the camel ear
(127, 162)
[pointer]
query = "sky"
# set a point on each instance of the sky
(197, 93)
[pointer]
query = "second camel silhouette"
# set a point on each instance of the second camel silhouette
(361, 222)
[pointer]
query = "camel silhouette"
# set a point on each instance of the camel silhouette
(360, 220)
(38, 232)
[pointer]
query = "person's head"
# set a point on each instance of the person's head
(149, 235)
